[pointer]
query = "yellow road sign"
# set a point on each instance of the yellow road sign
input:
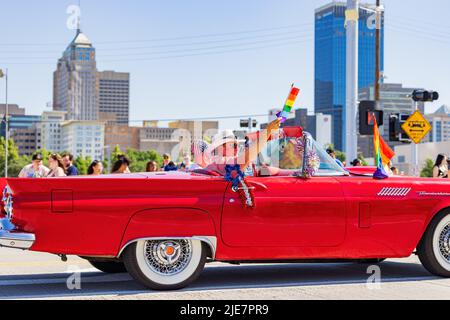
(417, 127)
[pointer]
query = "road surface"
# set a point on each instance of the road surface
(29, 275)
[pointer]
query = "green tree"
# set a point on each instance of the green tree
(15, 162)
(139, 159)
(363, 160)
(82, 164)
(427, 170)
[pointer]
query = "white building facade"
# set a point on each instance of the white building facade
(440, 121)
(84, 138)
(50, 129)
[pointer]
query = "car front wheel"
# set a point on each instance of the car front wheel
(165, 264)
(434, 248)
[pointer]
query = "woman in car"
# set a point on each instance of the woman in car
(224, 149)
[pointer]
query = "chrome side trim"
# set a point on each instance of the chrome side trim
(394, 192)
(16, 240)
(211, 241)
(433, 194)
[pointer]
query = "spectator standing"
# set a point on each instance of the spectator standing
(166, 161)
(57, 167)
(171, 166)
(356, 163)
(332, 154)
(122, 166)
(68, 162)
(440, 169)
(36, 169)
(152, 166)
(96, 168)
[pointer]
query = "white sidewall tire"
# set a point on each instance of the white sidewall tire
(436, 237)
(169, 280)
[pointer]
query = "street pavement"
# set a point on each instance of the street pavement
(29, 275)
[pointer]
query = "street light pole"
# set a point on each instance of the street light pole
(5, 75)
(377, 55)
(351, 21)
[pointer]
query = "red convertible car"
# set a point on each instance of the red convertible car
(295, 205)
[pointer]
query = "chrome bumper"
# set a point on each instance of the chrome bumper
(16, 240)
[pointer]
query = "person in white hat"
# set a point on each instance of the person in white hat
(224, 149)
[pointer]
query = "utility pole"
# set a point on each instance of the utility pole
(415, 147)
(351, 112)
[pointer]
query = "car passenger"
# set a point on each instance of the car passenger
(224, 149)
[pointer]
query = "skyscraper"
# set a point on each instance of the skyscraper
(75, 88)
(330, 61)
(114, 97)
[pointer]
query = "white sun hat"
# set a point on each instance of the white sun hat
(222, 138)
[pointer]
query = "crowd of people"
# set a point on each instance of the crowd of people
(223, 150)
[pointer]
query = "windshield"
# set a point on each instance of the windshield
(288, 155)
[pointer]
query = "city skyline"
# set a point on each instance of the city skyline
(255, 78)
(330, 62)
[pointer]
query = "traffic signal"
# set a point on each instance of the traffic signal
(396, 133)
(245, 123)
(366, 109)
(425, 96)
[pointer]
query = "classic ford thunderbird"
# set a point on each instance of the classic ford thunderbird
(295, 205)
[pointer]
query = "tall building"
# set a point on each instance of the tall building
(123, 136)
(440, 121)
(330, 61)
(162, 140)
(23, 129)
(394, 99)
(196, 129)
(50, 128)
(75, 88)
(319, 126)
(26, 140)
(84, 138)
(114, 97)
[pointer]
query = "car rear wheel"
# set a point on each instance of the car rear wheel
(109, 266)
(165, 264)
(434, 248)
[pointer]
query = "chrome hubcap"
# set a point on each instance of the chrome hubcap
(444, 243)
(168, 257)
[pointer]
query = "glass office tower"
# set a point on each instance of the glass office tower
(330, 61)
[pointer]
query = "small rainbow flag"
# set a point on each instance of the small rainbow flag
(289, 104)
(383, 154)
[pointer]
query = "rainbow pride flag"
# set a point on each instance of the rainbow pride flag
(383, 154)
(284, 114)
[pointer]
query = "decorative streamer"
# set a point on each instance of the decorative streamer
(234, 174)
(311, 160)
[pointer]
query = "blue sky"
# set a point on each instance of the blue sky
(237, 57)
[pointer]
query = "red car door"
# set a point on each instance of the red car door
(288, 212)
